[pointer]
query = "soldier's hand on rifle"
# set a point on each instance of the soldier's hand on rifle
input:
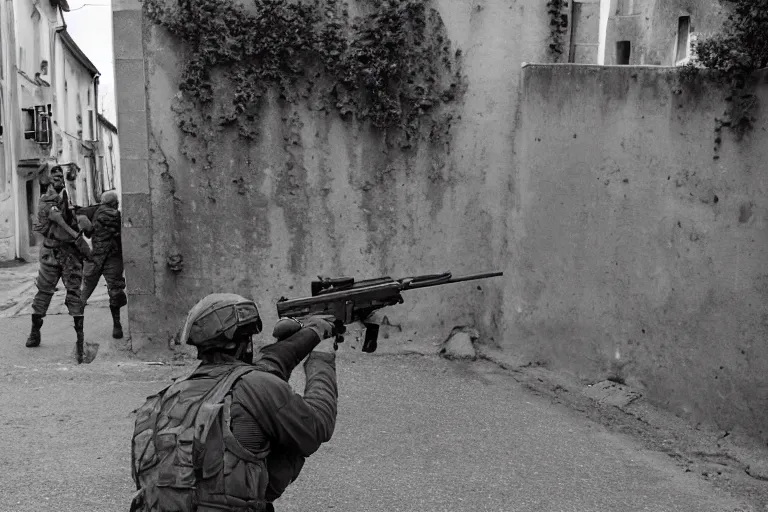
(285, 328)
(56, 216)
(327, 328)
(322, 325)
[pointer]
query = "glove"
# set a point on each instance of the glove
(322, 325)
(285, 328)
(326, 327)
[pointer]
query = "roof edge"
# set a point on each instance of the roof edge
(81, 57)
(106, 122)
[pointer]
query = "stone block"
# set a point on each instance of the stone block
(133, 135)
(131, 93)
(126, 5)
(135, 176)
(137, 257)
(137, 211)
(126, 35)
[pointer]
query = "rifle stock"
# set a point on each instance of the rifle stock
(349, 301)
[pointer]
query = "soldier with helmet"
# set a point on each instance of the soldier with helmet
(61, 258)
(107, 259)
(232, 435)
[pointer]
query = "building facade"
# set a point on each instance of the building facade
(638, 32)
(49, 93)
(108, 163)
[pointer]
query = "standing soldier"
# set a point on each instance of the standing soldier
(107, 258)
(61, 257)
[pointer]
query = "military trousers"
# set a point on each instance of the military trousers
(110, 265)
(59, 262)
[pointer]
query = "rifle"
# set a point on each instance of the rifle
(349, 301)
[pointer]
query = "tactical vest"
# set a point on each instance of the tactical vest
(184, 457)
(108, 225)
(43, 224)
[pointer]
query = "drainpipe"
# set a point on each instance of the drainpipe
(95, 85)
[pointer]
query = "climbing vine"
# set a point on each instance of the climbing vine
(392, 66)
(558, 26)
(733, 54)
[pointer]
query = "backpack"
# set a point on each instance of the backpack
(184, 457)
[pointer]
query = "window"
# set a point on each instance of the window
(90, 125)
(37, 124)
(36, 54)
(22, 64)
(683, 50)
(623, 50)
(625, 7)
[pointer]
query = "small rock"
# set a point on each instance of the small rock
(460, 344)
(612, 393)
(758, 469)
(91, 349)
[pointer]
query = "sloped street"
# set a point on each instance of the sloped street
(415, 433)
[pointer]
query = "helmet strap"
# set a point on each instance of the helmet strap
(244, 351)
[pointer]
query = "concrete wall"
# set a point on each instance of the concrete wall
(634, 252)
(270, 217)
(651, 26)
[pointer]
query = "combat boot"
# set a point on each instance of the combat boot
(79, 350)
(117, 328)
(34, 335)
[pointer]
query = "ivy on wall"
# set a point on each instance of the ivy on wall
(558, 26)
(392, 67)
(733, 54)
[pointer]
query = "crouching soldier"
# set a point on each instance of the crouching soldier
(61, 257)
(107, 258)
(233, 435)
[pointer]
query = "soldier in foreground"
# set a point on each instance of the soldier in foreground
(61, 257)
(233, 435)
(107, 259)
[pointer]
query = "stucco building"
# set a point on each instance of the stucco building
(638, 32)
(50, 106)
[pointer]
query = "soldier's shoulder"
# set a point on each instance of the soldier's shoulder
(49, 195)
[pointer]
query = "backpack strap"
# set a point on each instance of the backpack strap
(213, 402)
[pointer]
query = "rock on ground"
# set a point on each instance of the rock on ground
(460, 344)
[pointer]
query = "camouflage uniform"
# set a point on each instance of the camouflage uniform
(107, 260)
(59, 258)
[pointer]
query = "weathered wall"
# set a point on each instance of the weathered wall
(651, 27)
(635, 253)
(317, 195)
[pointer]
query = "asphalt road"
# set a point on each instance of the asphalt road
(414, 433)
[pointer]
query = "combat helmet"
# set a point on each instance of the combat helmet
(214, 320)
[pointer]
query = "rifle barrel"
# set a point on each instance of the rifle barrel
(471, 277)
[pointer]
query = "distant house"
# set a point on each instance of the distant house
(49, 114)
(638, 32)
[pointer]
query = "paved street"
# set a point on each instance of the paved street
(414, 434)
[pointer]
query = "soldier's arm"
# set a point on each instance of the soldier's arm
(284, 468)
(282, 357)
(292, 423)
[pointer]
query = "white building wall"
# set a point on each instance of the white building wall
(7, 155)
(37, 68)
